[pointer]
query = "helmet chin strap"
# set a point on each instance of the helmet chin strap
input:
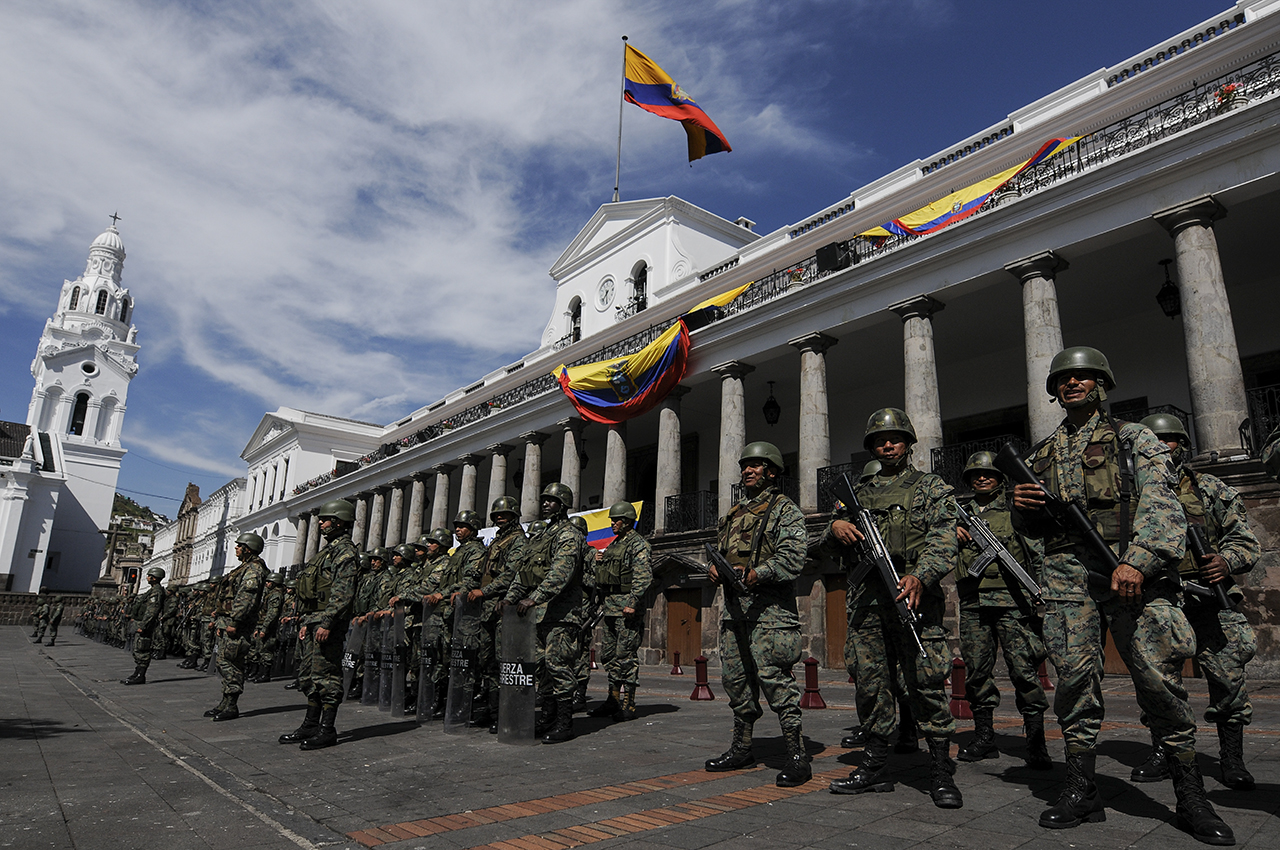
(1096, 395)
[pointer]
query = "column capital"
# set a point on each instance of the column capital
(920, 307)
(1045, 265)
(1202, 212)
(420, 475)
(733, 369)
(383, 488)
(471, 459)
(817, 342)
(501, 449)
(679, 391)
(443, 468)
(536, 438)
(572, 423)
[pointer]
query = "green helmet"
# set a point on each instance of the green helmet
(761, 449)
(291, 584)
(537, 527)
(275, 578)
(504, 505)
(422, 541)
(888, 420)
(470, 519)
(1167, 425)
(578, 523)
(382, 553)
(869, 469)
(252, 542)
(442, 536)
(366, 562)
(202, 586)
(339, 509)
(1078, 357)
(981, 460)
(155, 572)
(622, 510)
(562, 493)
(406, 551)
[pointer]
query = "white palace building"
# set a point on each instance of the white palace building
(1144, 239)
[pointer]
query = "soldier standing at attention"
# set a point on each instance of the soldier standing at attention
(623, 576)
(56, 607)
(326, 587)
(1224, 639)
(239, 598)
(582, 670)
(145, 613)
(996, 614)
(41, 615)
(1124, 479)
(915, 514)
(436, 577)
(263, 655)
(504, 550)
(764, 539)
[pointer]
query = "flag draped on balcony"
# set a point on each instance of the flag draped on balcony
(961, 204)
(652, 89)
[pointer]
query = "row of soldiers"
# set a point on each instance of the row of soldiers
(47, 616)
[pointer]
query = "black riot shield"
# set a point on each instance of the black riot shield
(351, 654)
(464, 665)
(397, 661)
(517, 678)
(429, 661)
(385, 664)
(372, 670)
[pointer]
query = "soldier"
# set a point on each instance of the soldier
(551, 577)
(326, 587)
(436, 577)
(1271, 454)
(466, 567)
(263, 654)
(145, 613)
(995, 613)
(56, 607)
(168, 622)
(190, 633)
(582, 670)
(41, 615)
(623, 576)
(764, 539)
(1124, 479)
(239, 598)
(496, 574)
(406, 587)
(206, 623)
(1224, 639)
(916, 516)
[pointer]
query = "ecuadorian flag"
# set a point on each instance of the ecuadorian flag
(613, 391)
(652, 89)
(600, 527)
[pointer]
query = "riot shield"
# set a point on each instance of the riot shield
(352, 651)
(429, 661)
(372, 671)
(517, 677)
(464, 664)
(397, 661)
(384, 665)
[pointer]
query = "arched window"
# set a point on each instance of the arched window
(640, 286)
(124, 311)
(75, 298)
(101, 307)
(575, 320)
(78, 413)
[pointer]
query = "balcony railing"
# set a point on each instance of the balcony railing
(827, 476)
(1264, 416)
(949, 461)
(692, 511)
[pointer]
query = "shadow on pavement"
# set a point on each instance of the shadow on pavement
(362, 733)
(12, 727)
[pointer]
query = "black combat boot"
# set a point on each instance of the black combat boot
(357, 687)
(797, 770)
(580, 697)
(547, 721)
(293, 686)
(1195, 812)
(1037, 753)
(480, 712)
(908, 734)
(213, 712)
(983, 745)
(139, 677)
(626, 704)
(1155, 768)
(495, 703)
(869, 775)
(327, 735)
(1079, 802)
(232, 709)
(50, 643)
(442, 700)
(188, 663)
(310, 725)
(1231, 757)
(942, 787)
(609, 706)
(204, 666)
(739, 753)
(855, 739)
(563, 730)
(264, 675)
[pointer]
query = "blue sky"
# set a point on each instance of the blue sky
(351, 208)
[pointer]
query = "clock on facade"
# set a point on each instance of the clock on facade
(604, 294)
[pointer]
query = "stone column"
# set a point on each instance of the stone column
(1218, 399)
(467, 490)
(815, 434)
(733, 427)
(300, 541)
(440, 501)
(531, 489)
(498, 472)
(313, 536)
(615, 464)
(377, 515)
(571, 456)
(417, 501)
(395, 516)
(1042, 333)
(360, 530)
(669, 460)
(921, 375)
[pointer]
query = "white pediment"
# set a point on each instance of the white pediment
(606, 229)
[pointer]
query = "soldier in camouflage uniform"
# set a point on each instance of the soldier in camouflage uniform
(1124, 479)
(464, 574)
(168, 623)
(582, 670)
(206, 619)
(763, 538)
(239, 598)
(145, 613)
(326, 588)
(435, 571)
(41, 615)
(496, 574)
(405, 585)
(262, 656)
(1271, 454)
(995, 614)
(550, 579)
(1225, 641)
(623, 576)
(916, 516)
(56, 607)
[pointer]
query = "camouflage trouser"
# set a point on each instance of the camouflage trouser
(1018, 637)
(620, 648)
(559, 647)
(897, 686)
(1225, 643)
(207, 636)
(877, 637)
(754, 659)
(142, 650)
(1152, 639)
(488, 659)
(440, 669)
(320, 672)
(263, 651)
(233, 656)
(41, 623)
(53, 629)
(582, 670)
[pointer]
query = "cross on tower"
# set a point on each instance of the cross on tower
(114, 218)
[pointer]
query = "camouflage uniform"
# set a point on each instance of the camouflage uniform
(551, 575)
(326, 587)
(496, 574)
(582, 670)
(239, 597)
(263, 652)
(145, 613)
(435, 572)
(623, 576)
(1271, 454)
(168, 623)
(41, 617)
(56, 607)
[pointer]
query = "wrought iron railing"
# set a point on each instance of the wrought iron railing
(1264, 417)
(1138, 414)
(949, 461)
(827, 476)
(789, 486)
(776, 283)
(692, 511)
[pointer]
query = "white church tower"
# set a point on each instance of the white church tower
(86, 359)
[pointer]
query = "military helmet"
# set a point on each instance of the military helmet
(537, 527)
(1074, 358)
(981, 460)
(1165, 425)
(578, 523)
(406, 551)
(339, 509)
(761, 449)
(252, 542)
(382, 553)
(275, 578)
(888, 420)
(155, 572)
(291, 584)
(442, 536)
(422, 541)
(366, 561)
(202, 586)
(622, 510)
(504, 505)
(470, 519)
(562, 493)
(870, 468)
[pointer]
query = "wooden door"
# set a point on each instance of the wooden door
(684, 625)
(837, 614)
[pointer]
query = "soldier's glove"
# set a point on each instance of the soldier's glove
(524, 605)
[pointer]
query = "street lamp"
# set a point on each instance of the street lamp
(772, 410)
(1168, 299)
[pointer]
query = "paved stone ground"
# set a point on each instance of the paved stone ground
(88, 763)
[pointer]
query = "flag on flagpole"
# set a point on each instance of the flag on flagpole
(652, 89)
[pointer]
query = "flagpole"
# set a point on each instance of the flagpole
(621, 100)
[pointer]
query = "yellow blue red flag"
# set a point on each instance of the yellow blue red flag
(652, 89)
(600, 527)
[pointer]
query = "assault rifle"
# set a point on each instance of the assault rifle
(1201, 552)
(991, 549)
(727, 572)
(871, 553)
